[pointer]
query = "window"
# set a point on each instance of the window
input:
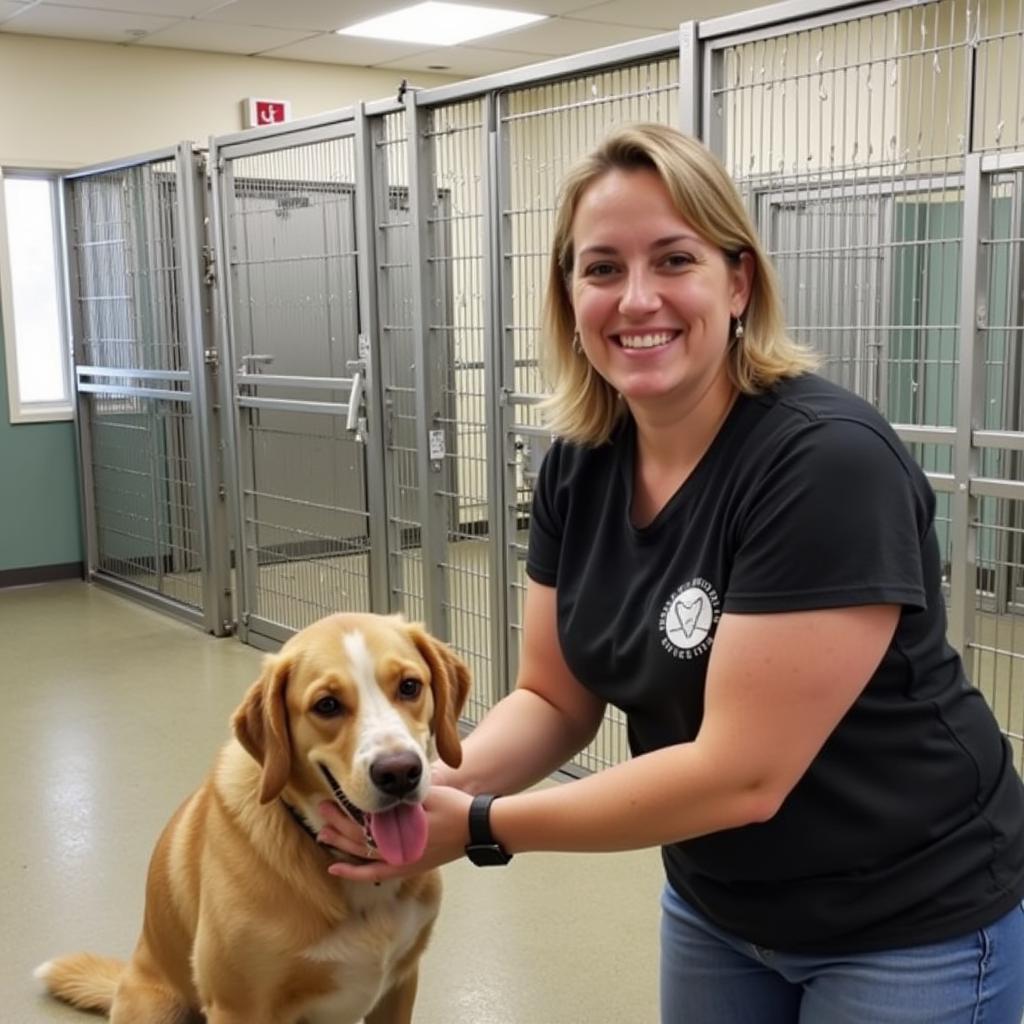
(32, 297)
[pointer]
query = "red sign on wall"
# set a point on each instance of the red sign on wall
(260, 112)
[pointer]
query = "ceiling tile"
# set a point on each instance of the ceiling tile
(334, 49)
(314, 15)
(558, 37)
(463, 60)
(161, 8)
(206, 35)
(79, 23)
(530, 6)
(8, 9)
(658, 15)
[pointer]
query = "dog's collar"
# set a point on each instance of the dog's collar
(304, 825)
(300, 820)
(354, 813)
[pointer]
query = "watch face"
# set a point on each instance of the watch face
(488, 855)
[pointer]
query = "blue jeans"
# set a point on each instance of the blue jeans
(711, 977)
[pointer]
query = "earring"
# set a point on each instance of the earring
(577, 345)
(737, 331)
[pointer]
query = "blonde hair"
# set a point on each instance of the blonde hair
(583, 407)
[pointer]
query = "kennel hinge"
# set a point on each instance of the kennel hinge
(209, 266)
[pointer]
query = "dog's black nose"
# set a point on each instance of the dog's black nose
(397, 774)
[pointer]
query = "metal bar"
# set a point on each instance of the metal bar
(522, 398)
(271, 380)
(790, 16)
(292, 405)
(222, 189)
(150, 598)
(209, 471)
(969, 403)
(925, 435)
(505, 376)
(941, 482)
(116, 373)
(433, 532)
(712, 121)
(1006, 439)
(117, 389)
(153, 157)
(369, 321)
(259, 141)
(988, 487)
(294, 130)
(562, 67)
(992, 163)
(80, 404)
(498, 583)
(690, 79)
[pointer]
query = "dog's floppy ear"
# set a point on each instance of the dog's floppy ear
(449, 681)
(261, 726)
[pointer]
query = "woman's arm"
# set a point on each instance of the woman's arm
(533, 731)
(777, 687)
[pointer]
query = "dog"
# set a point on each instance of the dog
(243, 923)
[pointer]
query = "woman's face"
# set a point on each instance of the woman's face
(652, 299)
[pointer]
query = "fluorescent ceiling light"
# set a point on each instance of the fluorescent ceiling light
(440, 24)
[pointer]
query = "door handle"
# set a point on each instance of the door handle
(355, 399)
(251, 364)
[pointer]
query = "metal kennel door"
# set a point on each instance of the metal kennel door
(308, 479)
(145, 378)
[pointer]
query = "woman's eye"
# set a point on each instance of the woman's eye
(599, 270)
(328, 707)
(678, 259)
(409, 689)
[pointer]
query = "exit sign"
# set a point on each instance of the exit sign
(257, 113)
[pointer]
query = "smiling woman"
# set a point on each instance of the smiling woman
(32, 295)
(741, 557)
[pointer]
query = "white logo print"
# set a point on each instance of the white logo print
(688, 618)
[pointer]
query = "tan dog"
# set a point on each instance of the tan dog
(243, 923)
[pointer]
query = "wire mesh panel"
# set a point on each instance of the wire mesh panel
(137, 381)
(997, 640)
(289, 223)
(544, 129)
(394, 271)
(851, 140)
(454, 138)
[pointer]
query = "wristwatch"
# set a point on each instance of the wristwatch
(483, 849)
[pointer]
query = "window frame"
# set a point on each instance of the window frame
(20, 411)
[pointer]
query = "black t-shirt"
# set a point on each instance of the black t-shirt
(908, 827)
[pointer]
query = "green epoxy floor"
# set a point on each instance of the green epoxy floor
(112, 713)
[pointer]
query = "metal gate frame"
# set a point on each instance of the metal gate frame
(965, 440)
(357, 407)
(194, 389)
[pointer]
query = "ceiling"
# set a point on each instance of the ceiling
(304, 29)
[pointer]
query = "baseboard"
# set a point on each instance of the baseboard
(41, 574)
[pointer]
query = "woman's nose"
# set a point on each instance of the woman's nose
(640, 293)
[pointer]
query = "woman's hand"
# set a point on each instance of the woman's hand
(447, 811)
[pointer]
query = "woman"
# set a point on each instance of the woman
(742, 557)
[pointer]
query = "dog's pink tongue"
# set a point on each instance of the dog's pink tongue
(400, 834)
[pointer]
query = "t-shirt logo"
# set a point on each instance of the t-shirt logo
(687, 619)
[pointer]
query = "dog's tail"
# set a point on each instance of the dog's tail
(82, 979)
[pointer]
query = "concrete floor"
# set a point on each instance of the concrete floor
(112, 713)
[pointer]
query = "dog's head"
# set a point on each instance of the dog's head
(355, 705)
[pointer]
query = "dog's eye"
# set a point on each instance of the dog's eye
(409, 689)
(328, 707)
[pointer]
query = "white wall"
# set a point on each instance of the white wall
(68, 103)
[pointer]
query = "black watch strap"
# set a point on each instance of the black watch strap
(483, 849)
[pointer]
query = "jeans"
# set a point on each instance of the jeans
(711, 977)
